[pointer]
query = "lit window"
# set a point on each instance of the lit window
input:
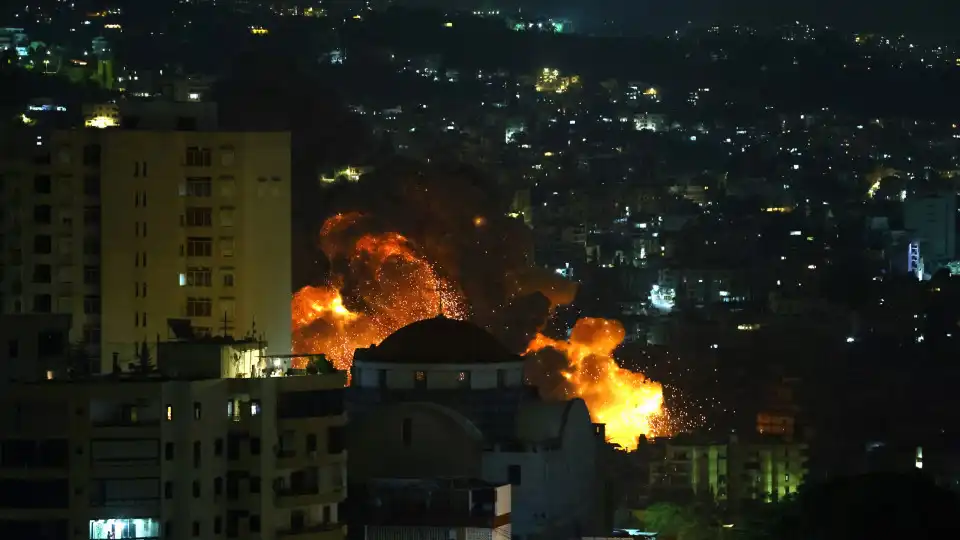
(169, 412)
(254, 408)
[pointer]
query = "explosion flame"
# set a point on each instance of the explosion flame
(627, 402)
(392, 285)
(434, 239)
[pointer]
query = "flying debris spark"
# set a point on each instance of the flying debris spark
(437, 239)
(382, 284)
(627, 402)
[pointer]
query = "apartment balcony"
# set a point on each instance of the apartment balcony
(294, 498)
(325, 531)
(288, 459)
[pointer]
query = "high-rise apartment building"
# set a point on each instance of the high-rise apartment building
(933, 221)
(126, 228)
(146, 457)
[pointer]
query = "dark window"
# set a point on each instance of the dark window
(255, 484)
(326, 513)
(311, 442)
(199, 277)
(91, 185)
(34, 494)
(196, 453)
(199, 307)
(91, 275)
(217, 525)
(199, 186)
(196, 408)
(255, 446)
(310, 403)
(13, 348)
(42, 273)
(218, 485)
(168, 490)
(186, 123)
(199, 217)
(382, 378)
(196, 489)
(198, 157)
(51, 343)
(41, 183)
(255, 523)
(42, 244)
(91, 304)
(199, 247)
(218, 447)
(501, 378)
(513, 475)
(406, 432)
(42, 303)
(168, 451)
(91, 215)
(335, 440)
(91, 245)
(233, 448)
(91, 155)
(42, 214)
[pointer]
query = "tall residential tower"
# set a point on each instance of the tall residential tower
(161, 217)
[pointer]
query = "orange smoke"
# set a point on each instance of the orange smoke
(627, 402)
(391, 285)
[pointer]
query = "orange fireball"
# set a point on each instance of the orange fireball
(627, 402)
(391, 281)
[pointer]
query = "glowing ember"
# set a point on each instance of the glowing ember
(391, 286)
(627, 402)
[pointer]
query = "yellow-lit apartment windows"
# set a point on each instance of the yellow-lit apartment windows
(169, 412)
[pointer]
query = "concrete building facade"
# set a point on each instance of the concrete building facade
(144, 457)
(126, 228)
(443, 399)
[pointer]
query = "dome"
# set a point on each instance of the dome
(440, 341)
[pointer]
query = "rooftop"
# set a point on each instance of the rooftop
(439, 341)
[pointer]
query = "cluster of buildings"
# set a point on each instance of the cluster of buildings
(139, 402)
(146, 379)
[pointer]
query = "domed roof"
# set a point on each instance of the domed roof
(440, 341)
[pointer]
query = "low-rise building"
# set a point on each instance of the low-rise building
(442, 398)
(146, 455)
(442, 508)
(728, 470)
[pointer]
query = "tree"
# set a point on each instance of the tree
(144, 359)
(878, 505)
(676, 522)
